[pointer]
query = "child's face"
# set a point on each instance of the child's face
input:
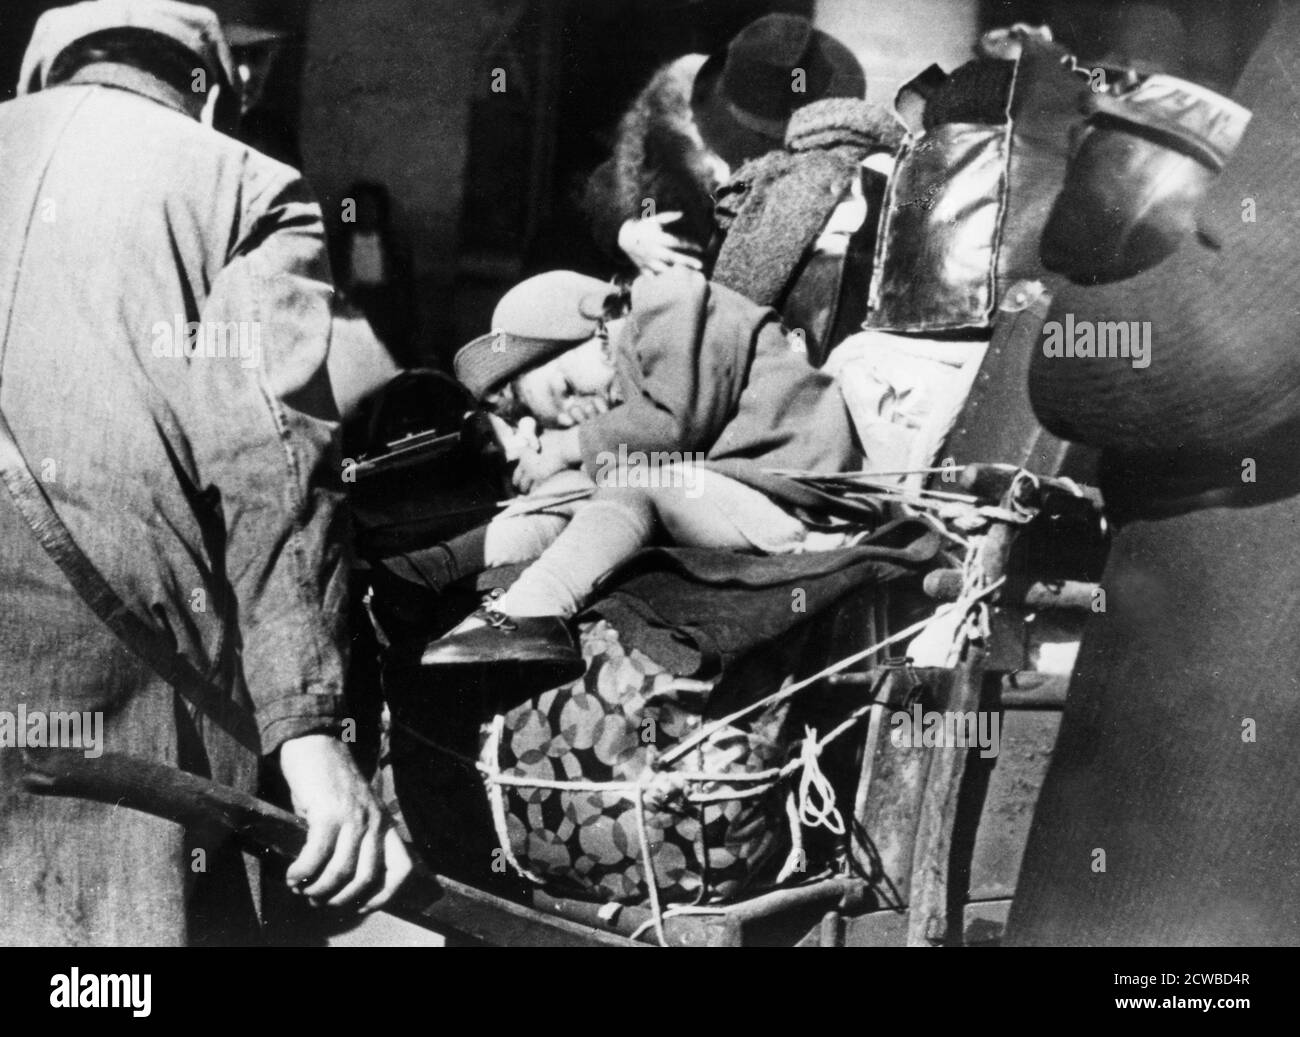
(574, 386)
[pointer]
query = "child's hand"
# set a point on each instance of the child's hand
(580, 409)
(652, 248)
(559, 450)
(516, 442)
(528, 434)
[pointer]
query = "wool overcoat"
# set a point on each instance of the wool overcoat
(164, 324)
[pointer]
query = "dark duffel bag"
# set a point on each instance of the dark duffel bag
(422, 465)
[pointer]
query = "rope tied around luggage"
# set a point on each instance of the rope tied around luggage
(813, 805)
(810, 801)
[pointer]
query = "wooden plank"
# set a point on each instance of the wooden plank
(928, 922)
(1014, 782)
(466, 911)
(982, 924)
(1035, 691)
(888, 805)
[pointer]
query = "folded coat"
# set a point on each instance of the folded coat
(696, 612)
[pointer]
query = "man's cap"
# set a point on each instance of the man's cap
(195, 28)
(537, 320)
(744, 96)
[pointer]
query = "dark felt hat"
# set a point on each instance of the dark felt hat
(537, 320)
(744, 96)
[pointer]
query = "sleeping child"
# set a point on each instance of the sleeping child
(669, 402)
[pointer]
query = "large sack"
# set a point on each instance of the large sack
(614, 726)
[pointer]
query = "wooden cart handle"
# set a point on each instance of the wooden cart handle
(430, 901)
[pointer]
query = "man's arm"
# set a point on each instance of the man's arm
(274, 457)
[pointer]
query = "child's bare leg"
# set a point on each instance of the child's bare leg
(609, 529)
(524, 626)
(522, 538)
(699, 507)
(694, 507)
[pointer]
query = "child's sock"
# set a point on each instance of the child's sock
(523, 538)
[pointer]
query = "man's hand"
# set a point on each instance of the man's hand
(353, 857)
(652, 248)
(558, 451)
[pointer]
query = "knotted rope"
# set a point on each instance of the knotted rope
(811, 803)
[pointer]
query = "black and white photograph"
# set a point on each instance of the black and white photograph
(651, 474)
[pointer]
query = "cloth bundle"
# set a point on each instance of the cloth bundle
(709, 841)
(589, 780)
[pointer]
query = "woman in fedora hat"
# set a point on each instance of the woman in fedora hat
(697, 120)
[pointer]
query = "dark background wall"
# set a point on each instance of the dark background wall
(486, 182)
(1204, 40)
(16, 20)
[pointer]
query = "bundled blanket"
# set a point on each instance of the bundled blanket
(696, 612)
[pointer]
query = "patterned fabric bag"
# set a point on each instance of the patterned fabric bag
(582, 781)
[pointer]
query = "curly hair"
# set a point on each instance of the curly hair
(658, 155)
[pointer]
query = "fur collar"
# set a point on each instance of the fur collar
(660, 157)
